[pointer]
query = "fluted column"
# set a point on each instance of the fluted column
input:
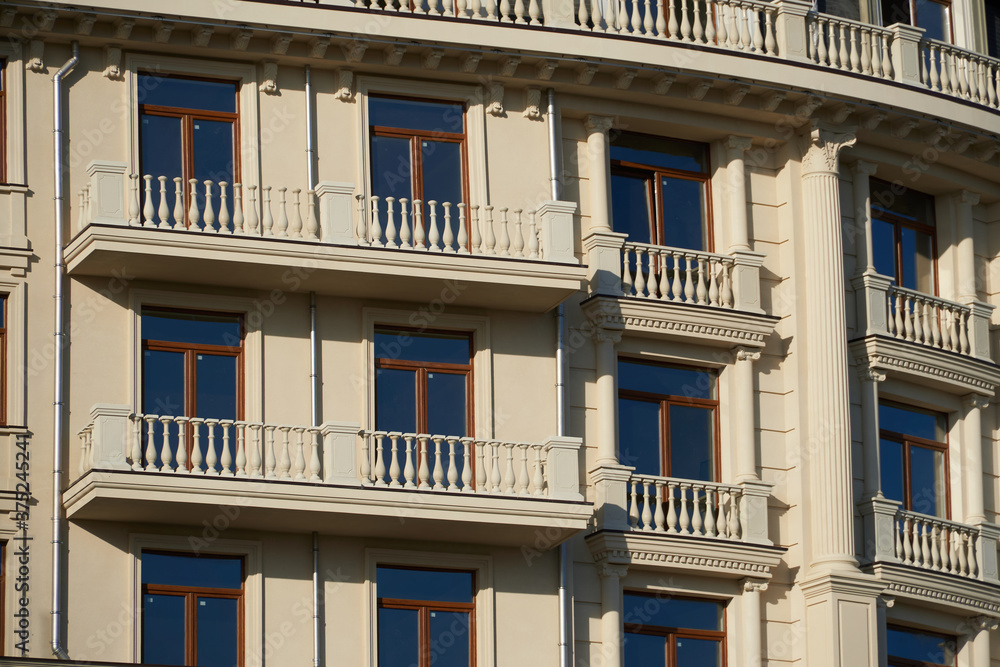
(965, 290)
(739, 235)
(861, 172)
(882, 606)
(612, 631)
(982, 627)
(607, 399)
(600, 172)
(973, 436)
(829, 442)
(869, 431)
(752, 589)
(746, 446)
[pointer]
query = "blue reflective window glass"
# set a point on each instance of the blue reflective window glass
(163, 629)
(911, 421)
(398, 637)
(666, 380)
(447, 403)
(639, 435)
(426, 347)
(392, 168)
(684, 210)
(660, 152)
(891, 469)
(428, 116)
(933, 18)
(160, 140)
(177, 92)
(698, 652)
(163, 382)
(213, 154)
(927, 492)
(424, 585)
(193, 328)
(630, 202)
(645, 650)
(920, 646)
(884, 248)
(396, 400)
(450, 639)
(176, 569)
(218, 631)
(218, 385)
(692, 442)
(668, 612)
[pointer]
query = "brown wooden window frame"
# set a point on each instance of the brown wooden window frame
(898, 223)
(423, 367)
(673, 634)
(3, 120)
(654, 189)
(666, 400)
(908, 441)
(191, 595)
(905, 662)
(188, 116)
(4, 301)
(425, 607)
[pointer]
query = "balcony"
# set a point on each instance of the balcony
(693, 296)
(180, 470)
(925, 338)
(327, 241)
(920, 556)
(784, 30)
(687, 525)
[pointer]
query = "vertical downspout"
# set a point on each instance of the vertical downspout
(313, 375)
(59, 336)
(565, 562)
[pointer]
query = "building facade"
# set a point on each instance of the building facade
(386, 334)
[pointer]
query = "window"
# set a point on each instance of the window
(425, 617)
(913, 449)
(915, 648)
(192, 609)
(188, 129)
(660, 191)
(418, 151)
(668, 419)
(192, 364)
(673, 632)
(903, 238)
(423, 382)
(993, 27)
(932, 15)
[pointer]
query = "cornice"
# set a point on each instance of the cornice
(956, 373)
(934, 588)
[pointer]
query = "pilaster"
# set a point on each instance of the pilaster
(982, 626)
(842, 627)
(966, 254)
(600, 172)
(862, 172)
(744, 417)
(752, 588)
(612, 631)
(870, 379)
(607, 396)
(736, 147)
(973, 450)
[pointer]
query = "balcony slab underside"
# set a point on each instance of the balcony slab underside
(289, 506)
(705, 325)
(685, 553)
(921, 364)
(225, 260)
(939, 590)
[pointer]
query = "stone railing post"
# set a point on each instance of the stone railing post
(791, 29)
(611, 496)
(336, 212)
(753, 510)
(110, 436)
(107, 192)
(604, 262)
(559, 13)
(979, 328)
(562, 467)
(871, 292)
(340, 453)
(746, 280)
(989, 534)
(906, 52)
(556, 220)
(879, 517)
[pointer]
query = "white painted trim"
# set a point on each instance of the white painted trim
(253, 587)
(249, 113)
(253, 340)
(485, 598)
(424, 319)
(475, 126)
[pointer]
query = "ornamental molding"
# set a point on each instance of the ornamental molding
(113, 63)
(770, 100)
(946, 596)
(532, 106)
(754, 585)
(662, 83)
(394, 54)
(822, 147)
(635, 557)
(955, 373)
(984, 622)
(494, 105)
(598, 123)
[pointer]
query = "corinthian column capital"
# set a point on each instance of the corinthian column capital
(821, 148)
(738, 144)
(598, 123)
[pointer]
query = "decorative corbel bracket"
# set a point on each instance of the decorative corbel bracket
(240, 39)
(770, 100)
(394, 54)
(585, 74)
(162, 31)
(545, 69)
(494, 105)
(113, 63)
(623, 79)
(269, 82)
(662, 83)
(85, 24)
(432, 59)
(508, 65)
(345, 85)
(280, 43)
(734, 94)
(532, 107)
(354, 51)
(202, 35)
(469, 62)
(36, 56)
(698, 89)
(318, 47)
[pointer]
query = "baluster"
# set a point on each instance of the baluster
(963, 554)
(394, 460)
(534, 250)
(700, 292)
(147, 208)
(251, 223)
(377, 440)
(953, 315)
(504, 243)
(164, 210)
(463, 234)
(633, 507)
(713, 282)
(241, 454)
(489, 238)
(621, 19)
(923, 333)
(315, 466)
(151, 455)
(166, 455)
(271, 461)
(508, 476)
(953, 72)
(136, 442)
(908, 317)
(991, 90)
(647, 19)
(722, 520)
(758, 37)
(419, 237)
(898, 316)
(522, 473)
(936, 325)
(925, 550)
(770, 43)
(907, 542)
(710, 495)
(647, 509)
(636, 19)
(362, 228)
(517, 243)
(281, 224)
(519, 11)
(390, 224)
(672, 21)
(875, 53)
(855, 57)
(944, 549)
(626, 272)
(821, 51)
(438, 472)
(452, 475)
(664, 276)
(209, 216)
(495, 469)
(481, 462)
(935, 540)
(238, 219)
(467, 445)
(685, 521)
(448, 239)
(963, 331)
(433, 236)
(671, 510)
(897, 530)
(652, 264)
(211, 456)
(845, 57)
(434, 7)
(685, 22)
(676, 288)
(133, 200)
(224, 208)
(697, 30)
(267, 220)
(408, 469)
(476, 241)
(226, 460)
(376, 225)
(582, 15)
(727, 284)
(640, 280)
(295, 224)
(723, 36)
(366, 458)
(311, 229)
(689, 290)
(423, 457)
(834, 50)
(658, 518)
(746, 40)
(710, 22)
(735, 529)
(256, 462)
(696, 523)
(284, 458)
(971, 556)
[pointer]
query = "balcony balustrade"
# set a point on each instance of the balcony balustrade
(332, 468)
(928, 320)
(684, 507)
(157, 228)
(682, 276)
